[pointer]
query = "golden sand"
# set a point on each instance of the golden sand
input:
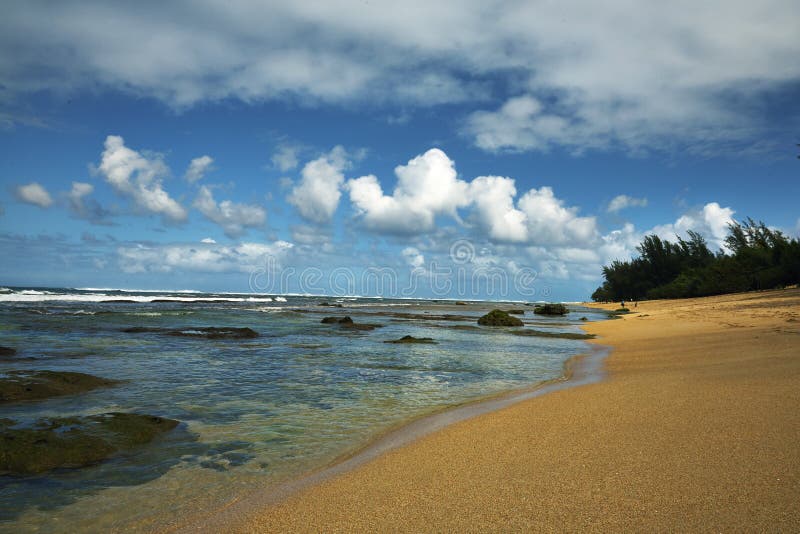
(697, 427)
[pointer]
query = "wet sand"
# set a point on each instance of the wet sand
(696, 427)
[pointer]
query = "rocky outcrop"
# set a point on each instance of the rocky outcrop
(35, 385)
(70, 442)
(550, 309)
(499, 318)
(207, 332)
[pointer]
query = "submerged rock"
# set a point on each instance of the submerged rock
(544, 333)
(460, 303)
(69, 442)
(516, 312)
(334, 305)
(207, 332)
(7, 351)
(412, 339)
(33, 385)
(550, 309)
(499, 318)
(348, 323)
(213, 332)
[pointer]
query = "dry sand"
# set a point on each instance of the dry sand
(697, 427)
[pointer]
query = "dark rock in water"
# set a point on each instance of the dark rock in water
(344, 321)
(584, 319)
(412, 339)
(347, 322)
(334, 305)
(459, 303)
(119, 301)
(516, 312)
(499, 318)
(213, 332)
(550, 309)
(7, 351)
(463, 327)
(71, 442)
(34, 385)
(360, 326)
(141, 330)
(206, 332)
(543, 333)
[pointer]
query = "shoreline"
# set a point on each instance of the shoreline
(580, 369)
(695, 428)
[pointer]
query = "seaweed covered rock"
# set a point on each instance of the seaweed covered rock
(7, 351)
(516, 312)
(499, 318)
(347, 322)
(411, 340)
(206, 332)
(69, 442)
(553, 308)
(546, 333)
(34, 385)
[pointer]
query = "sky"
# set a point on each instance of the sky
(493, 149)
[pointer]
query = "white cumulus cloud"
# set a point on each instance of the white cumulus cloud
(711, 221)
(550, 222)
(426, 187)
(232, 217)
(84, 207)
(34, 193)
(198, 168)
(285, 157)
(493, 197)
(621, 202)
(139, 178)
(317, 195)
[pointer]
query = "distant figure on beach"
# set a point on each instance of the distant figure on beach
(622, 304)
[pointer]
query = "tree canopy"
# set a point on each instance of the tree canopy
(757, 258)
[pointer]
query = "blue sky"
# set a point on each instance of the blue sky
(203, 145)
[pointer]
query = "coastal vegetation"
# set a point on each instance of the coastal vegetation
(757, 257)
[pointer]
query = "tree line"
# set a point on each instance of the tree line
(757, 258)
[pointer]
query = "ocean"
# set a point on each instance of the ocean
(253, 411)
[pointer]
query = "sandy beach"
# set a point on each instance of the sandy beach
(696, 427)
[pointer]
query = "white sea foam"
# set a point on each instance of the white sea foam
(25, 296)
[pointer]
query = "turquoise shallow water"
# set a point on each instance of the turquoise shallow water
(253, 412)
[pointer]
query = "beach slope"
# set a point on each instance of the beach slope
(696, 427)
